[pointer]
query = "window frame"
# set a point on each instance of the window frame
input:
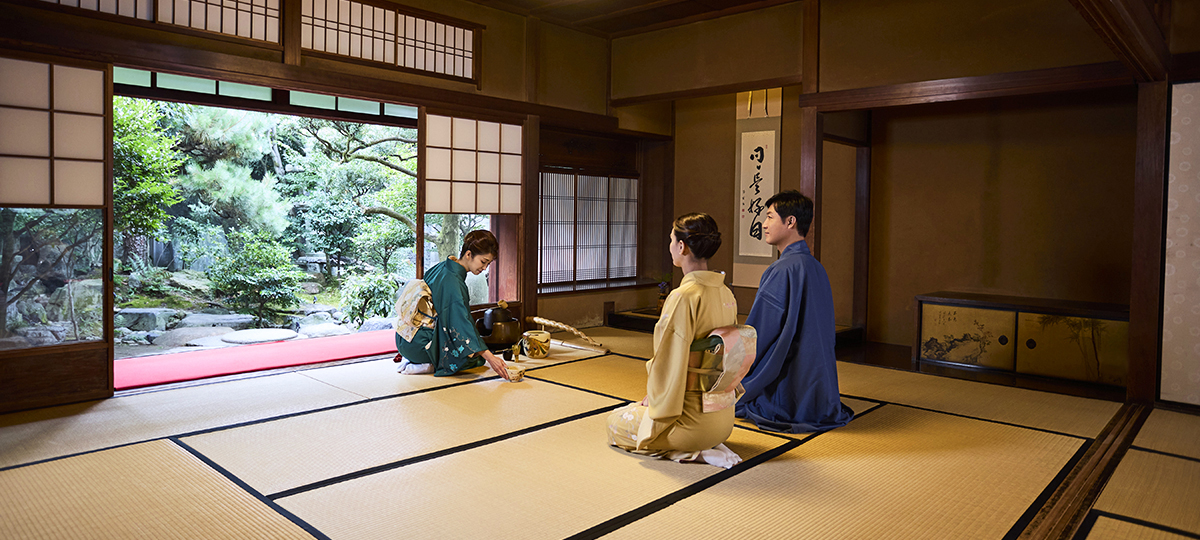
(573, 284)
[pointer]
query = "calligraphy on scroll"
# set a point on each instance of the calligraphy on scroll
(757, 184)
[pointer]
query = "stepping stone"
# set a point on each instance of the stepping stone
(235, 321)
(210, 342)
(324, 330)
(258, 335)
(181, 336)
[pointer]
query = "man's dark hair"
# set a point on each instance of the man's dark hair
(792, 203)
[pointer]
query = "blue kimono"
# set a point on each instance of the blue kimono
(449, 346)
(793, 385)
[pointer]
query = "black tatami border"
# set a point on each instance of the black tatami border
(440, 453)
(1167, 454)
(287, 415)
(1085, 529)
(246, 487)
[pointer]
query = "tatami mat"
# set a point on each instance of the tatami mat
(626, 378)
(1107, 528)
(548, 484)
(292, 452)
(639, 344)
(1155, 488)
(70, 429)
(612, 375)
(1067, 414)
(152, 490)
(1171, 432)
(379, 378)
(894, 473)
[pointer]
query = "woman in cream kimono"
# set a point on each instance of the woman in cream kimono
(671, 422)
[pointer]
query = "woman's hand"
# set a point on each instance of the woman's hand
(496, 363)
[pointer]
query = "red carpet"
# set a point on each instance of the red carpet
(187, 366)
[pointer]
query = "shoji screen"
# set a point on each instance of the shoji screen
(1181, 281)
(472, 166)
(52, 133)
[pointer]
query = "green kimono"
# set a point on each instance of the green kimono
(451, 342)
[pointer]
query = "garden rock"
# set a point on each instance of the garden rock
(309, 309)
(38, 336)
(88, 297)
(191, 281)
(324, 330)
(14, 342)
(377, 323)
(153, 335)
(210, 342)
(235, 321)
(181, 336)
(145, 319)
(137, 337)
(311, 263)
(310, 287)
(215, 311)
(320, 317)
(259, 335)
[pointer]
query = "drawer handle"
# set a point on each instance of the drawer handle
(1030, 343)
(1003, 340)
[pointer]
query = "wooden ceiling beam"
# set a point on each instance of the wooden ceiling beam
(964, 88)
(1132, 31)
(628, 11)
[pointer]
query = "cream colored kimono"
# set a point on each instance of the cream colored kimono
(672, 423)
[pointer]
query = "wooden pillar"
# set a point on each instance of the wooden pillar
(528, 235)
(290, 31)
(812, 134)
(862, 235)
(1149, 213)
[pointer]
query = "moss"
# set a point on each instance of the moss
(169, 301)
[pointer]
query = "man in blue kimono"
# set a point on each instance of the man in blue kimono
(793, 387)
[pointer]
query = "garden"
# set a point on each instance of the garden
(226, 220)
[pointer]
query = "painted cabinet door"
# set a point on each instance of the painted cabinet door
(972, 336)
(1093, 350)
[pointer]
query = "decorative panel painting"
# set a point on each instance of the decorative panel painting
(972, 336)
(472, 166)
(1181, 281)
(1083, 349)
(52, 134)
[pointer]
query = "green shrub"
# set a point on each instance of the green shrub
(371, 295)
(258, 277)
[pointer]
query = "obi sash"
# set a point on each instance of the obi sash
(717, 364)
(414, 309)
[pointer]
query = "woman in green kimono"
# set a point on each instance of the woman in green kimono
(672, 421)
(453, 344)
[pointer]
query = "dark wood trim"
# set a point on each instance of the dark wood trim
(811, 140)
(106, 274)
(636, 8)
(1149, 215)
(1131, 30)
(845, 140)
(1067, 506)
(528, 235)
(1185, 67)
(708, 91)
(152, 24)
(41, 31)
(422, 122)
(290, 31)
(752, 6)
(862, 236)
(811, 48)
(215, 100)
(311, 53)
(1015, 83)
(420, 13)
(1048, 306)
